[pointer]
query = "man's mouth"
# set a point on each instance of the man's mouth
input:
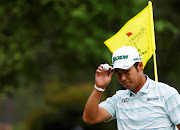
(126, 84)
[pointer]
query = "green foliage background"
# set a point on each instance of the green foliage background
(50, 49)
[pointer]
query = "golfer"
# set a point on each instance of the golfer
(145, 104)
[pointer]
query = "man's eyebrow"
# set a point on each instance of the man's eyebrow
(118, 70)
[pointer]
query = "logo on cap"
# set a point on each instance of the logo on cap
(119, 58)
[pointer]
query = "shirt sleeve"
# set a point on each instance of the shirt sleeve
(110, 105)
(172, 103)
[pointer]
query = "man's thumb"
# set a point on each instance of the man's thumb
(111, 72)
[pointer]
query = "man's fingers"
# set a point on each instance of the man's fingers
(111, 72)
(100, 69)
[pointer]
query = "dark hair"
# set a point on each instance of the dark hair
(135, 65)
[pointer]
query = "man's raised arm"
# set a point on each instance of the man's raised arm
(93, 113)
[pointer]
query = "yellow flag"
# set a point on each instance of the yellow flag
(137, 32)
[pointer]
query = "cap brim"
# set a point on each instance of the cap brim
(124, 66)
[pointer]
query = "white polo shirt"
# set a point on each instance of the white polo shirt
(155, 106)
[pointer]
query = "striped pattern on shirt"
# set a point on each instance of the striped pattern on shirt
(155, 106)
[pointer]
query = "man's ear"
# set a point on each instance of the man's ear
(140, 66)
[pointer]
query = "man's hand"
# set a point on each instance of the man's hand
(103, 77)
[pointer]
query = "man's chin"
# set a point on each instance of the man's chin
(127, 86)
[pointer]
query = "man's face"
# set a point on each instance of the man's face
(130, 79)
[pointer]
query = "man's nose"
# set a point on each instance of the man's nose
(123, 77)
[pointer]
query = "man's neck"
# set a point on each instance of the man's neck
(143, 81)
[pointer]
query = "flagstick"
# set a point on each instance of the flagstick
(155, 66)
(153, 40)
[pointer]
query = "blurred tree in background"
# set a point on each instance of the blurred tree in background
(50, 49)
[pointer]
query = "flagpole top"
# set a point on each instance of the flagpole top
(150, 3)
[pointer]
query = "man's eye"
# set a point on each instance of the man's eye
(118, 73)
(126, 71)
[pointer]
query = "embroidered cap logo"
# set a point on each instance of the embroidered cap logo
(120, 58)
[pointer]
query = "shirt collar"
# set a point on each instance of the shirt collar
(145, 88)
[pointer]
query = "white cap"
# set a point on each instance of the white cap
(125, 57)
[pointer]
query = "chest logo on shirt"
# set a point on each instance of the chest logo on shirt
(152, 99)
(125, 100)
